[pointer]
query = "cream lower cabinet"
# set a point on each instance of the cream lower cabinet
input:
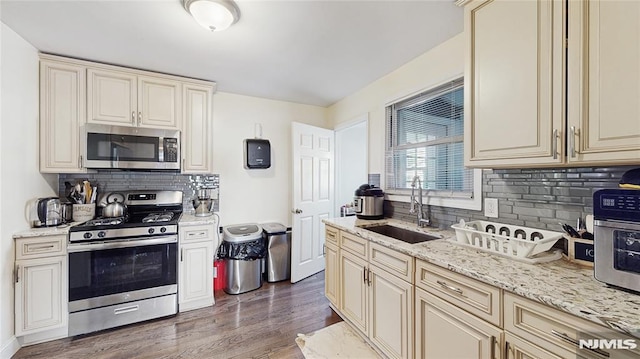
(62, 112)
(332, 266)
(331, 274)
(41, 287)
(195, 268)
(444, 331)
(456, 315)
(375, 295)
(545, 332)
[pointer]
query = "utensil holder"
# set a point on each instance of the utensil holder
(83, 212)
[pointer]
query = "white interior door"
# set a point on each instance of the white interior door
(313, 178)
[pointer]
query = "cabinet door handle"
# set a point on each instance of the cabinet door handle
(364, 275)
(507, 350)
(572, 142)
(369, 277)
(139, 118)
(133, 117)
(17, 274)
(570, 340)
(555, 144)
(448, 287)
(493, 347)
(181, 250)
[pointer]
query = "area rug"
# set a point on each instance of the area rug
(335, 341)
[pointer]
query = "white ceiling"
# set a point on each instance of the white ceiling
(310, 52)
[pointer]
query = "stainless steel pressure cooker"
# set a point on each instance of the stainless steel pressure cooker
(368, 202)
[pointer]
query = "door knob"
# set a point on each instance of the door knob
(296, 211)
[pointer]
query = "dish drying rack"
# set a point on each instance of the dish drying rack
(517, 242)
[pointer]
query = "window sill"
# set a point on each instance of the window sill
(474, 203)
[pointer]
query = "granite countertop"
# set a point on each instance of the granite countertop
(62, 229)
(559, 284)
(189, 219)
(186, 219)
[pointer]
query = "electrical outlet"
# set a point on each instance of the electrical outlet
(214, 193)
(491, 207)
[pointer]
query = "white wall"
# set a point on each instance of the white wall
(19, 174)
(442, 63)
(351, 160)
(258, 195)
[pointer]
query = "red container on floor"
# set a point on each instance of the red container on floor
(219, 278)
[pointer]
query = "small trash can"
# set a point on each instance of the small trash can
(278, 243)
(242, 250)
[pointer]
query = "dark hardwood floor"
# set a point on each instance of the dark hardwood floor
(259, 324)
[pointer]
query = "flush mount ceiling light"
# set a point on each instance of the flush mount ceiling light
(214, 15)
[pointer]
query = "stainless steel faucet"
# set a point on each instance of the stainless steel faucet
(421, 221)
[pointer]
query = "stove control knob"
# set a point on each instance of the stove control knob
(163, 229)
(101, 234)
(87, 235)
(151, 230)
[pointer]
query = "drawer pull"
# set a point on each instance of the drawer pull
(191, 234)
(42, 248)
(124, 310)
(450, 288)
(570, 340)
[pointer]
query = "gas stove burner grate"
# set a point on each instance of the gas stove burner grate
(157, 217)
(105, 221)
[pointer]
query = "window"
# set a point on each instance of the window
(424, 138)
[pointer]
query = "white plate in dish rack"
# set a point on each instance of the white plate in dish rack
(517, 242)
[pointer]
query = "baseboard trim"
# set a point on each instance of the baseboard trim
(9, 348)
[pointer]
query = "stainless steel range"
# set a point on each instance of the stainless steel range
(124, 270)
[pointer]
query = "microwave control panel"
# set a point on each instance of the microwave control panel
(617, 204)
(170, 149)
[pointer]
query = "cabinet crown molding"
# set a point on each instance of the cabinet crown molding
(101, 65)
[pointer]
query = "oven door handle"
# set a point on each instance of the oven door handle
(85, 247)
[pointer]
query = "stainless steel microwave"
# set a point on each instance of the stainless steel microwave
(121, 147)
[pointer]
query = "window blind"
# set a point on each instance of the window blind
(425, 138)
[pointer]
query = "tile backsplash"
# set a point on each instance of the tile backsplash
(109, 181)
(538, 198)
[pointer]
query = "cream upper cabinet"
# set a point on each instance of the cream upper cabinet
(513, 83)
(604, 82)
(519, 82)
(197, 132)
(62, 112)
(127, 99)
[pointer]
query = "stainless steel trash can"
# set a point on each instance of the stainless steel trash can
(243, 252)
(278, 243)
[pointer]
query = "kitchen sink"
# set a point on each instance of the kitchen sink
(401, 234)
